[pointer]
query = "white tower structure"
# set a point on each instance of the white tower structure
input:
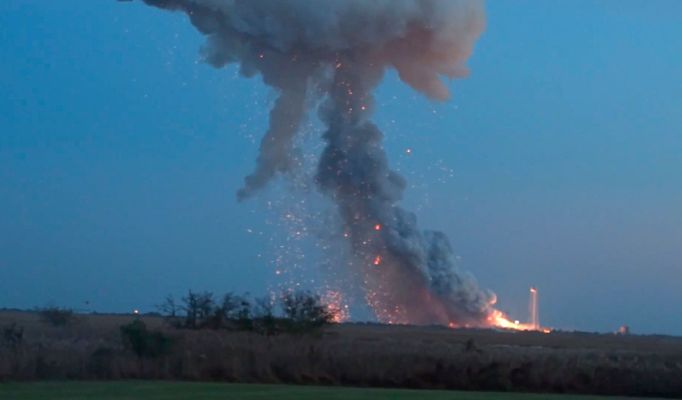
(533, 308)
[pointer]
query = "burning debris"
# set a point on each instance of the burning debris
(336, 55)
(499, 319)
(336, 306)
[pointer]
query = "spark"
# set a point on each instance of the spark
(335, 305)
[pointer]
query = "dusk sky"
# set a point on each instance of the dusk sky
(557, 163)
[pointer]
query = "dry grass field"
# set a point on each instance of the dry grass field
(91, 348)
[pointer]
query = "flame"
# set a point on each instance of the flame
(498, 319)
(377, 260)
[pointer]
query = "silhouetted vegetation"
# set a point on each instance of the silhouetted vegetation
(264, 320)
(347, 354)
(199, 308)
(12, 336)
(143, 342)
(304, 311)
(170, 308)
(299, 312)
(56, 316)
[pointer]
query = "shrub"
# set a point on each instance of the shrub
(56, 316)
(143, 342)
(170, 310)
(169, 307)
(304, 311)
(13, 336)
(100, 363)
(202, 312)
(199, 308)
(264, 320)
(241, 314)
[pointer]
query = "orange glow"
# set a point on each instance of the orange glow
(377, 227)
(377, 260)
(498, 319)
(333, 301)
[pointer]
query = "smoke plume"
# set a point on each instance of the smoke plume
(337, 51)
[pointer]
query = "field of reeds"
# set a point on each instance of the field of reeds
(92, 347)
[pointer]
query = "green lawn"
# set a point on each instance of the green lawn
(209, 391)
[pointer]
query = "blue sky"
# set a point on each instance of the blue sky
(557, 162)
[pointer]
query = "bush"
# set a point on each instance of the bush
(239, 312)
(169, 307)
(264, 320)
(304, 311)
(170, 310)
(12, 336)
(56, 316)
(143, 342)
(100, 363)
(199, 309)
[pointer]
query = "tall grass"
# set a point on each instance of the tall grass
(413, 357)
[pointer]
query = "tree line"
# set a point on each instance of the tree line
(290, 312)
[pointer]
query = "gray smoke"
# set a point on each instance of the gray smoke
(337, 51)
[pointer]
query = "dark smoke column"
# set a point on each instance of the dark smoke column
(339, 50)
(409, 276)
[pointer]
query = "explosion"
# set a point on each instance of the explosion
(336, 306)
(330, 57)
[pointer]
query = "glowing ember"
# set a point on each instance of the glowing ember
(343, 59)
(377, 227)
(333, 300)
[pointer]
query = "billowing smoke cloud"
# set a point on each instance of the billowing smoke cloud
(337, 51)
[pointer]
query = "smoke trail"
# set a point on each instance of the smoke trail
(339, 50)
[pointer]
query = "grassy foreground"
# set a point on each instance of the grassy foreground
(129, 390)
